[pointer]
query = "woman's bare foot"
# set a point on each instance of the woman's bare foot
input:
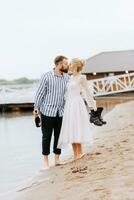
(75, 157)
(79, 156)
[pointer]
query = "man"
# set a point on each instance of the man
(49, 103)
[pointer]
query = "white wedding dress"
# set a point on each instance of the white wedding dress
(76, 127)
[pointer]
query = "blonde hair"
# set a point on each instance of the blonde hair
(79, 63)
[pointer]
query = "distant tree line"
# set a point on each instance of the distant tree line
(22, 80)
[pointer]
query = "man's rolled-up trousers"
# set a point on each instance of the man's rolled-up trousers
(50, 125)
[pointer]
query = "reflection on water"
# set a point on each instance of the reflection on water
(20, 145)
(20, 150)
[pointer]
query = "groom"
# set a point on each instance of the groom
(49, 103)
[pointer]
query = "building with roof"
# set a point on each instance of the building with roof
(109, 63)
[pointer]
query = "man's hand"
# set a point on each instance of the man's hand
(36, 113)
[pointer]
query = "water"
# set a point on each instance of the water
(23, 93)
(20, 150)
(20, 145)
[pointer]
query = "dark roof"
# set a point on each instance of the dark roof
(114, 61)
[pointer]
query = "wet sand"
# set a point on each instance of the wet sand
(106, 172)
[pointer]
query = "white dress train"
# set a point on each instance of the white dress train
(76, 127)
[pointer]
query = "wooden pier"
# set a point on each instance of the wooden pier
(19, 107)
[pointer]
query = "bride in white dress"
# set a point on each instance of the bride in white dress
(76, 128)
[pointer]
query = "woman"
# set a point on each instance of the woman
(76, 128)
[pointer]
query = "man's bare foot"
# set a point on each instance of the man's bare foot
(46, 163)
(46, 167)
(57, 160)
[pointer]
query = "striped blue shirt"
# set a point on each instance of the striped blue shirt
(49, 98)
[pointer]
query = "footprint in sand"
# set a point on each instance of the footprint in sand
(99, 189)
(102, 168)
(125, 140)
(109, 149)
(81, 170)
(127, 149)
(101, 146)
(98, 153)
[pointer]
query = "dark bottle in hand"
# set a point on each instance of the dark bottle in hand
(37, 120)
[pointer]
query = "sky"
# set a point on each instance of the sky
(34, 32)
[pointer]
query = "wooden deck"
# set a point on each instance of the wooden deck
(19, 107)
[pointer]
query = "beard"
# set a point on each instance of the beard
(64, 70)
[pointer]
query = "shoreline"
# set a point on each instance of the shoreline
(94, 168)
(25, 107)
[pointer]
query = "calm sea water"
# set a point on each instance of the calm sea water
(20, 150)
(20, 146)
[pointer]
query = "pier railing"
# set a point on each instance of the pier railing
(113, 84)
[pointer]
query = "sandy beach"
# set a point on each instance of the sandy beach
(105, 173)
